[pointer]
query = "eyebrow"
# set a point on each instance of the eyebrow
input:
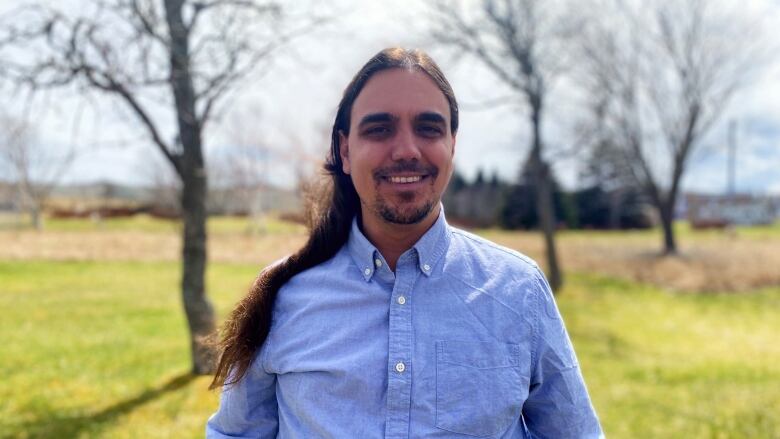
(376, 117)
(427, 116)
(430, 116)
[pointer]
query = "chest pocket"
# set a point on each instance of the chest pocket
(480, 388)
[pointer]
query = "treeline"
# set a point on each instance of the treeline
(492, 202)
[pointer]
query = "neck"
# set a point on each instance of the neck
(392, 240)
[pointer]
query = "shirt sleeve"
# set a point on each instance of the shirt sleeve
(558, 405)
(247, 409)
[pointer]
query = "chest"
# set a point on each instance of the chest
(434, 351)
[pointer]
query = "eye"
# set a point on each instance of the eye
(430, 130)
(377, 131)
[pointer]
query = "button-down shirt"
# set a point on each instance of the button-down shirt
(463, 340)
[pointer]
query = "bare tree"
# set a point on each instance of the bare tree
(170, 63)
(163, 184)
(305, 155)
(240, 172)
(523, 42)
(35, 170)
(657, 76)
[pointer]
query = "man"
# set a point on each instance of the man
(389, 323)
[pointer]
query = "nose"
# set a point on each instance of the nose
(405, 146)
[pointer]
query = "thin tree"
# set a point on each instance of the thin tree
(170, 63)
(35, 170)
(522, 42)
(657, 76)
(240, 172)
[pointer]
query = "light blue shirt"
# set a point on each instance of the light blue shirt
(463, 340)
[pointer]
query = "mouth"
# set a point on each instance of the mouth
(406, 176)
(404, 179)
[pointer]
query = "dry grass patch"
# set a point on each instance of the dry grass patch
(130, 245)
(92, 245)
(702, 266)
(709, 261)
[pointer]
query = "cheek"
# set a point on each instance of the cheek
(362, 175)
(443, 159)
(363, 164)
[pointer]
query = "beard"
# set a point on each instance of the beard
(399, 215)
(405, 212)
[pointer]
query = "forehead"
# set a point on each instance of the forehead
(401, 92)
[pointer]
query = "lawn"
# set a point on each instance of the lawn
(677, 365)
(98, 349)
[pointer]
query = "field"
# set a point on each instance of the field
(94, 341)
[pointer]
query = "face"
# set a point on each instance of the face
(399, 149)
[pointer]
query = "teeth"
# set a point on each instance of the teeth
(414, 179)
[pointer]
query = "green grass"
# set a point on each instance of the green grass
(140, 223)
(98, 349)
(761, 232)
(665, 365)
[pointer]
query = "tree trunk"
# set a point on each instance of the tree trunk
(667, 224)
(615, 208)
(545, 207)
(36, 217)
(542, 177)
(191, 169)
(200, 313)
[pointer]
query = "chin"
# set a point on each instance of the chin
(408, 215)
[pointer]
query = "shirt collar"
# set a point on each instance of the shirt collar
(432, 244)
(429, 248)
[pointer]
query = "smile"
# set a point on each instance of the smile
(412, 179)
(406, 175)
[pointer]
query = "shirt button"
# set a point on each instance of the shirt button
(401, 300)
(367, 271)
(378, 263)
(427, 267)
(400, 367)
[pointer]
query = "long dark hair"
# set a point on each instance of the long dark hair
(248, 325)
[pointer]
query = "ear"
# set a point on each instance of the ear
(454, 139)
(344, 152)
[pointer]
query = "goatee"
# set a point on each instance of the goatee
(396, 216)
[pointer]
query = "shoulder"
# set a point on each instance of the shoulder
(496, 270)
(477, 251)
(306, 284)
(340, 264)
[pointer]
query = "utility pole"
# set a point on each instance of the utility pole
(732, 158)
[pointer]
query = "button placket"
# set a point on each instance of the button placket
(400, 350)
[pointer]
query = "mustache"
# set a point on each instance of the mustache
(406, 166)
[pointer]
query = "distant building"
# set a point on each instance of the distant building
(725, 210)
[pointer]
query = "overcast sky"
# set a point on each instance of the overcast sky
(295, 101)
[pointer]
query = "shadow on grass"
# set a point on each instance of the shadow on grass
(50, 425)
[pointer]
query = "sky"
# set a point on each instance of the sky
(294, 101)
